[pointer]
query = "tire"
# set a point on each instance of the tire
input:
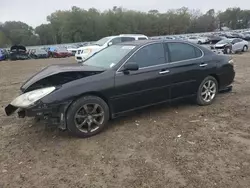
(228, 50)
(245, 48)
(202, 92)
(199, 42)
(77, 108)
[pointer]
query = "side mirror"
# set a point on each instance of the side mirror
(110, 43)
(130, 66)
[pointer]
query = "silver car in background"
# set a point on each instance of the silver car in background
(232, 45)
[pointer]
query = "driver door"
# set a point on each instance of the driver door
(146, 86)
(237, 45)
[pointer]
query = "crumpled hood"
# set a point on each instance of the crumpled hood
(75, 71)
(221, 45)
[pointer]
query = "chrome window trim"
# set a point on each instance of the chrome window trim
(168, 63)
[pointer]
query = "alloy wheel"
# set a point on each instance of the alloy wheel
(89, 118)
(208, 91)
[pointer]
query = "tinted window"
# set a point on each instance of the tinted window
(125, 39)
(198, 52)
(142, 38)
(116, 40)
(183, 51)
(150, 55)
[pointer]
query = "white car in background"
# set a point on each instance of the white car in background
(87, 51)
(198, 40)
(72, 49)
(232, 45)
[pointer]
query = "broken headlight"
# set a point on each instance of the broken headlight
(27, 99)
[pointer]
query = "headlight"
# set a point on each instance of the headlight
(87, 51)
(231, 61)
(27, 99)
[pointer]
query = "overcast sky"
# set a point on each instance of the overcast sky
(34, 12)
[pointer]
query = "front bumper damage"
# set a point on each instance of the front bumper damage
(52, 114)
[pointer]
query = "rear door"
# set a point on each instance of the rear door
(187, 68)
(148, 85)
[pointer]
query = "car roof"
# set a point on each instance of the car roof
(151, 41)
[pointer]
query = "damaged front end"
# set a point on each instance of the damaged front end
(30, 103)
(53, 114)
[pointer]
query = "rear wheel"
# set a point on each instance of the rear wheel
(245, 48)
(207, 91)
(87, 116)
(199, 42)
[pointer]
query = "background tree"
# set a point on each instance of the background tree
(77, 24)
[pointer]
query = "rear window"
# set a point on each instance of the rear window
(142, 38)
(183, 51)
(126, 39)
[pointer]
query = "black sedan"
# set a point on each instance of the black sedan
(122, 78)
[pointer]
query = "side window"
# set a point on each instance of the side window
(235, 41)
(150, 55)
(116, 40)
(125, 39)
(183, 51)
(142, 38)
(198, 52)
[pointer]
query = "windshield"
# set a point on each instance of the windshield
(109, 57)
(102, 41)
(224, 41)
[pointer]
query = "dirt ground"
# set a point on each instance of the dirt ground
(183, 145)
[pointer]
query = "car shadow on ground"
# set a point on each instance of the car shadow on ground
(128, 118)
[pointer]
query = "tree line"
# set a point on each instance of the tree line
(78, 25)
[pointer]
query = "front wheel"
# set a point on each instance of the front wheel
(207, 91)
(228, 50)
(87, 116)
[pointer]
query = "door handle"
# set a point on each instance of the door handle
(203, 65)
(164, 72)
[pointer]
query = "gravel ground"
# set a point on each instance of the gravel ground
(183, 145)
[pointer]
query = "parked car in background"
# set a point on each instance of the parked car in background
(72, 49)
(61, 53)
(237, 35)
(229, 35)
(246, 36)
(18, 52)
(229, 46)
(58, 52)
(121, 78)
(38, 53)
(213, 39)
(169, 37)
(198, 40)
(3, 54)
(84, 53)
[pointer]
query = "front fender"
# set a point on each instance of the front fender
(102, 83)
